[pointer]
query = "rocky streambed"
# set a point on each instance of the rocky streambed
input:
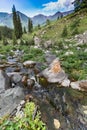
(61, 106)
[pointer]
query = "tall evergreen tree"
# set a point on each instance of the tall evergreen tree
(16, 23)
(24, 30)
(19, 26)
(30, 25)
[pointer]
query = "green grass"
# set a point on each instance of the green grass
(54, 30)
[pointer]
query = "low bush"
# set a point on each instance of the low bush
(26, 122)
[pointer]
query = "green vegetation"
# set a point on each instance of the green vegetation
(64, 33)
(80, 4)
(30, 26)
(74, 64)
(55, 29)
(17, 23)
(25, 122)
(34, 54)
(5, 32)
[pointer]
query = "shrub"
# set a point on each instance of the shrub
(65, 32)
(26, 122)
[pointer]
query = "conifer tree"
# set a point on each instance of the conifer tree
(19, 26)
(30, 25)
(16, 23)
(24, 30)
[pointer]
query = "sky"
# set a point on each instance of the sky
(34, 7)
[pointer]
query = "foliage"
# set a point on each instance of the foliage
(26, 122)
(48, 22)
(24, 30)
(28, 39)
(79, 4)
(34, 54)
(30, 25)
(17, 23)
(14, 39)
(5, 32)
(65, 32)
(74, 26)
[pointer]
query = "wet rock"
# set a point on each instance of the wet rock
(10, 99)
(17, 69)
(54, 73)
(56, 124)
(24, 80)
(2, 67)
(4, 81)
(30, 83)
(29, 64)
(28, 97)
(16, 77)
(80, 85)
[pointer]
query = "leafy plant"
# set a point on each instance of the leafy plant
(26, 122)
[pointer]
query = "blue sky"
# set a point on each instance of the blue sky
(34, 7)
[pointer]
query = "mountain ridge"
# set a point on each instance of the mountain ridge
(6, 18)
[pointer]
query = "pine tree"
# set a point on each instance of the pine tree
(38, 26)
(30, 25)
(19, 26)
(14, 39)
(24, 30)
(48, 22)
(0, 35)
(17, 23)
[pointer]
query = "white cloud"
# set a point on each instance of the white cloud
(58, 5)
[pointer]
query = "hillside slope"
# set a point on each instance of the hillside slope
(54, 30)
(71, 52)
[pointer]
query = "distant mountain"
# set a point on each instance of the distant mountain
(6, 19)
(3, 15)
(39, 19)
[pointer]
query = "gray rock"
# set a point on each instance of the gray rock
(4, 81)
(47, 44)
(66, 83)
(16, 77)
(54, 73)
(49, 57)
(80, 85)
(29, 64)
(37, 41)
(81, 38)
(10, 99)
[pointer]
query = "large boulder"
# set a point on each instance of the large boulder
(54, 73)
(10, 99)
(4, 81)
